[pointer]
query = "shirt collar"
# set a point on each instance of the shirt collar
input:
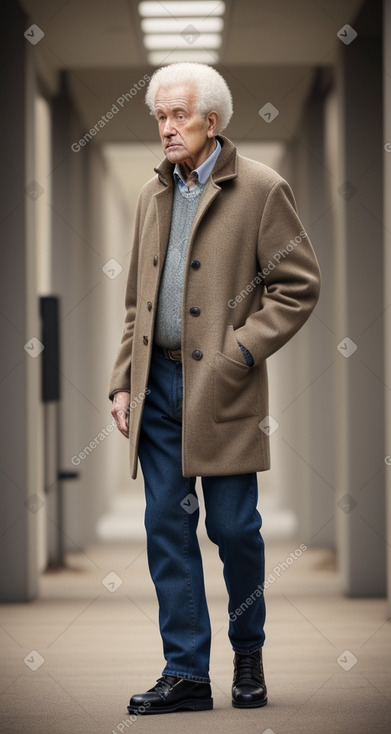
(205, 169)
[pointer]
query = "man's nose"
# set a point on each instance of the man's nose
(168, 128)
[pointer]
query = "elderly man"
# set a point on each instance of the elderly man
(222, 274)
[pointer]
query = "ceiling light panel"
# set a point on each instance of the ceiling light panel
(176, 25)
(175, 8)
(177, 30)
(157, 58)
(177, 40)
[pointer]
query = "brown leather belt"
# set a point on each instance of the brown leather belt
(174, 354)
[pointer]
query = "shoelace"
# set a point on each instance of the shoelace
(164, 684)
(248, 667)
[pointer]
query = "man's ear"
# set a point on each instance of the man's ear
(212, 119)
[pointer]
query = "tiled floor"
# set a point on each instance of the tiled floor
(98, 644)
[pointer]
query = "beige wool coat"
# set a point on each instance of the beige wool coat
(257, 282)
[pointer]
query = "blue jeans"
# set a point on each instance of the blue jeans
(171, 517)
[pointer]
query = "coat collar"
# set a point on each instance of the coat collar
(225, 168)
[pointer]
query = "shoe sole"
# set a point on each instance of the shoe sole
(250, 705)
(201, 705)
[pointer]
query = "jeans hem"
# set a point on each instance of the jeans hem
(250, 651)
(188, 676)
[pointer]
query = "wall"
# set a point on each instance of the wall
(19, 440)
(307, 374)
(387, 276)
(84, 228)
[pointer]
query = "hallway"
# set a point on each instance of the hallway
(100, 645)
(310, 83)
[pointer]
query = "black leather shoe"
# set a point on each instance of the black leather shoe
(172, 694)
(249, 687)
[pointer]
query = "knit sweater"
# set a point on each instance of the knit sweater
(168, 317)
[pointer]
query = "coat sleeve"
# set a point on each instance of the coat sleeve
(291, 277)
(120, 376)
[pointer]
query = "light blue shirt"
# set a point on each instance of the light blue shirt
(203, 171)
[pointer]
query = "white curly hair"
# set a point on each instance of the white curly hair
(212, 90)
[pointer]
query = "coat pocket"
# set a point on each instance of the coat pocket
(235, 389)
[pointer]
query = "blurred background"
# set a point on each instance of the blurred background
(312, 98)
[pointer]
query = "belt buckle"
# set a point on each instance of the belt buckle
(171, 357)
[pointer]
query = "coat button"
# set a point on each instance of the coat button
(196, 264)
(155, 261)
(145, 340)
(197, 354)
(149, 305)
(195, 311)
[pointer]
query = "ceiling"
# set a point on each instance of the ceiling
(270, 51)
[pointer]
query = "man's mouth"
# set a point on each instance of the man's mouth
(172, 145)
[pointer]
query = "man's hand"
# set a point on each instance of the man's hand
(120, 411)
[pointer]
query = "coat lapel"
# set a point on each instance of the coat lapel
(209, 193)
(225, 169)
(163, 201)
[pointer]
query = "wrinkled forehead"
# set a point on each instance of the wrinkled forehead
(176, 95)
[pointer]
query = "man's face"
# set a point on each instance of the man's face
(183, 132)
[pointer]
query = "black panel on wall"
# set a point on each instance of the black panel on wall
(51, 353)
